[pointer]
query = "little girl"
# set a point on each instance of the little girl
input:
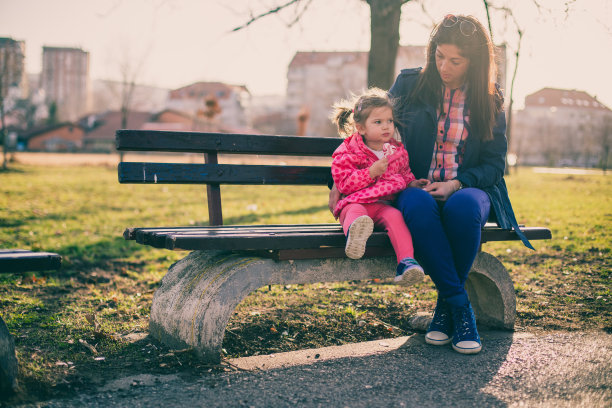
(369, 168)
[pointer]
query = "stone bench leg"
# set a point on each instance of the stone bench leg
(491, 292)
(198, 295)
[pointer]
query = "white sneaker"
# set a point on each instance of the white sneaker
(359, 232)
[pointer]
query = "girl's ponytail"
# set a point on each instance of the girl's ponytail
(342, 118)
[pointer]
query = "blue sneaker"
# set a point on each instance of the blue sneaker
(409, 272)
(466, 339)
(440, 330)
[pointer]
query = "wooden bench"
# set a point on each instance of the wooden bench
(199, 293)
(12, 261)
(21, 260)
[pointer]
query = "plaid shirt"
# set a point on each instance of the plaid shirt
(451, 135)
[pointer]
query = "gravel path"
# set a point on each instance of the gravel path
(514, 369)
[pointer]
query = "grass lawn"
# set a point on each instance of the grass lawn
(87, 323)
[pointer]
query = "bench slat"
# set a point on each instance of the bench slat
(196, 142)
(283, 237)
(190, 173)
(20, 260)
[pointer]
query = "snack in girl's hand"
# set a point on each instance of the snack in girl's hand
(388, 149)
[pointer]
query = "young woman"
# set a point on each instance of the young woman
(370, 168)
(452, 124)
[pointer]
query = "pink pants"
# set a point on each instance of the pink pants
(385, 216)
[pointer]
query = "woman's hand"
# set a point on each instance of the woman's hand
(334, 197)
(379, 167)
(419, 183)
(442, 190)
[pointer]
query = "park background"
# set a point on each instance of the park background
(79, 327)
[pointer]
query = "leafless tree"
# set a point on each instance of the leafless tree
(10, 72)
(384, 28)
(3, 93)
(130, 69)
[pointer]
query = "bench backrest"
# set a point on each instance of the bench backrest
(214, 174)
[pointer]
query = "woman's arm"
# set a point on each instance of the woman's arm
(491, 159)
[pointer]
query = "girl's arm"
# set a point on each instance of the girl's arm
(348, 178)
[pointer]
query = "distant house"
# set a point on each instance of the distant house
(213, 102)
(100, 129)
(562, 127)
(63, 137)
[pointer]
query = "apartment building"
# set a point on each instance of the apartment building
(65, 81)
(562, 127)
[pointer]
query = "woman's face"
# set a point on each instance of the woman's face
(451, 65)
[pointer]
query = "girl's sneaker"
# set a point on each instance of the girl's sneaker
(440, 330)
(409, 272)
(465, 339)
(358, 234)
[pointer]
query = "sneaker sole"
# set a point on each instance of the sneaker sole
(434, 342)
(475, 350)
(410, 277)
(359, 232)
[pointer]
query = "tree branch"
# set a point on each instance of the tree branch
(267, 13)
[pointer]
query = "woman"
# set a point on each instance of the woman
(452, 123)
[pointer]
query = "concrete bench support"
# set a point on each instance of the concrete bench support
(198, 295)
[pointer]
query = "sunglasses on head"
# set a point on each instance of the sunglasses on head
(466, 27)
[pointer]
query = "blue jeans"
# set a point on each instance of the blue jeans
(446, 235)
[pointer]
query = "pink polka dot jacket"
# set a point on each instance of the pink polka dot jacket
(350, 171)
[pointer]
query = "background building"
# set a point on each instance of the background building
(562, 127)
(216, 103)
(65, 81)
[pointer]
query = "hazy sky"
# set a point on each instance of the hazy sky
(184, 41)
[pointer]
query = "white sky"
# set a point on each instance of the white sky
(184, 41)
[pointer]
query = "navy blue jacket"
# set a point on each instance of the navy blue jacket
(483, 161)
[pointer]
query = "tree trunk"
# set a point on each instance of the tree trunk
(384, 21)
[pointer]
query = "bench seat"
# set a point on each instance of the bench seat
(288, 241)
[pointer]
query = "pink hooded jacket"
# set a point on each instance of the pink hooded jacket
(350, 171)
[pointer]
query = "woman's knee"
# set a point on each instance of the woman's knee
(469, 205)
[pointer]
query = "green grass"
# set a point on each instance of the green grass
(102, 295)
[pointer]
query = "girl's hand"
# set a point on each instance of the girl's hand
(419, 183)
(334, 197)
(442, 190)
(379, 167)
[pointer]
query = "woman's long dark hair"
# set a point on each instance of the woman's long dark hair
(485, 101)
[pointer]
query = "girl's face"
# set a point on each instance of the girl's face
(451, 65)
(378, 128)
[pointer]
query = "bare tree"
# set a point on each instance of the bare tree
(130, 69)
(384, 28)
(3, 93)
(11, 70)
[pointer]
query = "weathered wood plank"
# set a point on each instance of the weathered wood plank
(197, 142)
(190, 173)
(19, 260)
